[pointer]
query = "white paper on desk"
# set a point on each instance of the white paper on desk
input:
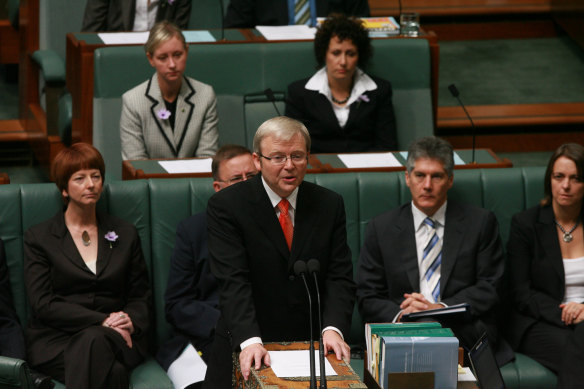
(282, 33)
(296, 363)
(457, 159)
(366, 160)
(465, 375)
(123, 38)
(202, 165)
(187, 369)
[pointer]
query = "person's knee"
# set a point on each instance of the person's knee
(90, 338)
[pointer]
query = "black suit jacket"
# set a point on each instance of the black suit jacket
(118, 15)
(536, 270)
(251, 13)
(370, 126)
(472, 262)
(259, 296)
(192, 295)
(66, 297)
(11, 336)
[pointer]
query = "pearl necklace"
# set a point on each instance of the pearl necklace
(340, 102)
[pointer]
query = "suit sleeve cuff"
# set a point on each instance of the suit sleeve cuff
(250, 341)
(334, 329)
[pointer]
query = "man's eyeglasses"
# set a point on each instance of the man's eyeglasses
(280, 159)
(236, 179)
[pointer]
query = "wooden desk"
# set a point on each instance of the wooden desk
(265, 377)
(4, 179)
(317, 163)
(79, 62)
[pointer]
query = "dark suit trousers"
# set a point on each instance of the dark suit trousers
(94, 358)
(220, 365)
(559, 349)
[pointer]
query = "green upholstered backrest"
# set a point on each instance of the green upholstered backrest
(157, 206)
(56, 19)
(206, 14)
(240, 73)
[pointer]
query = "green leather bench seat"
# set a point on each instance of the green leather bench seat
(157, 206)
(240, 73)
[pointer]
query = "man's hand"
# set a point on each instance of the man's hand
(416, 302)
(332, 341)
(254, 353)
(572, 313)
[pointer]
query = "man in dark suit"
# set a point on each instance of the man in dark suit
(251, 13)
(120, 15)
(258, 230)
(432, 253)
(192, 295)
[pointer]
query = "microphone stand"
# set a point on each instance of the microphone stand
(314, 267)
(300, 269)
(455, 93)
(270, 95)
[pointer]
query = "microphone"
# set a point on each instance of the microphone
(454, 92)
(300, 270)
(270, 95)
(222, 19)
(313, 268)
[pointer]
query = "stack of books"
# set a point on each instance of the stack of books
(412, 348)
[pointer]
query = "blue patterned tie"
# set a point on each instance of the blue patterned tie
(431, 260)
(302, 12)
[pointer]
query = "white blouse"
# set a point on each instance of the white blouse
(574, 273)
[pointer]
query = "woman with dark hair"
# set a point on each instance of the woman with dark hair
(169, 115)
(344, 109)
(546, 260)
(87, 283)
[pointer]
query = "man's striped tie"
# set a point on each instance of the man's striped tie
(432, 259)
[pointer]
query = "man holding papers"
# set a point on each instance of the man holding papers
(432, 253)
(258, 230)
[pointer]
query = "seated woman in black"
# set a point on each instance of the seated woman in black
(546, 259)
(87, 283)
(344, 109)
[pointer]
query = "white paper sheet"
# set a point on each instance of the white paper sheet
(132, 38)
(296, 363)
(457, 159)
(202, 165)
(465, 374)
(367, 160)
(187, 369)
(123, 38)
(279, 33)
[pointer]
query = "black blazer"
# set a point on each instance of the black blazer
(251, 13)
(472, 262)
(67, 297)
(370, 126)
(536, 271)
(259, 296)
(11, 336)
(118, 15)
(191, 301)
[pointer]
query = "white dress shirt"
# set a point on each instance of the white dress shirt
(145, 18)
(362, 83)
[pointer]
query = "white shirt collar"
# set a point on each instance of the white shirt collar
(419, 216)
(362, 83)
(275, 198)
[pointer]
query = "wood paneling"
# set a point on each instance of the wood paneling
(459, 7)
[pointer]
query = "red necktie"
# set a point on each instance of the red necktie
(286, 221)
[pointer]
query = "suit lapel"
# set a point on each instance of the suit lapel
(406, 241)
(325, 111)
(155, 96)
(184, 111)
(104, 251)
(61, 233)
(304, 223)
(267, 220)
(547, 235)
(454, 233)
